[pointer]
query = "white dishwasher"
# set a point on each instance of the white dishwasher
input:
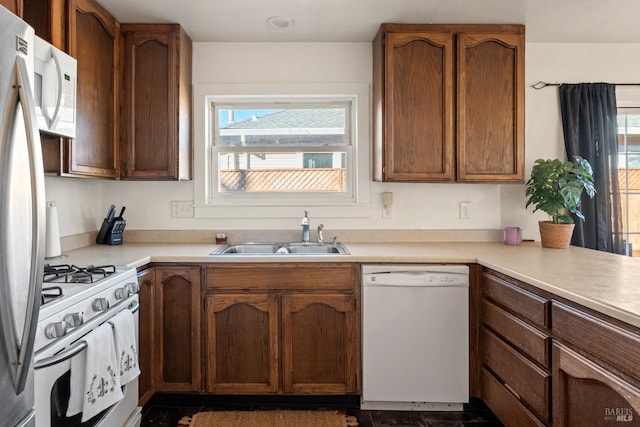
(415, 337)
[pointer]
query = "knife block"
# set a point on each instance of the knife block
(111, 231)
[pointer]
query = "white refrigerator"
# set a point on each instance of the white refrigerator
(22, 221)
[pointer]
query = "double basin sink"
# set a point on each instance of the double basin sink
(295, 248)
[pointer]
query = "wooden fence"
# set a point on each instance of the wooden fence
(284, 180)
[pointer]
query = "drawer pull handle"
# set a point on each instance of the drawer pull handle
(508, 387)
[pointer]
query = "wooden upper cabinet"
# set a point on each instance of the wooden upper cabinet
(48, 18)
(417, 126)
(448, 103)
(156, 108)
(14, 6)
(93, 37)
(490, 122)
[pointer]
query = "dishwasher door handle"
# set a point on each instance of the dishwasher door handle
(411, 280)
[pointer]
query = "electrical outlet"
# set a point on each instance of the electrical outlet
(182, 209)
(465, 210)
(387, 212)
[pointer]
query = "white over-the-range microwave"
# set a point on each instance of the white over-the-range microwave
(55, 75)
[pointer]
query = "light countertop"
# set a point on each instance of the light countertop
(607, 283)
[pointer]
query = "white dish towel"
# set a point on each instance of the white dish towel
(126, 346)
(95, 383)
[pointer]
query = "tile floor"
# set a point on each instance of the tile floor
(165, 411)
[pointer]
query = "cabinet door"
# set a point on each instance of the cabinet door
(48, 18)
(242, 343)
(490, 122)
(146, 336)
(586, 394)
(177, 321)
(157, 101)
(93, 39)
(320, 349)
(414, 132)
(14, 6)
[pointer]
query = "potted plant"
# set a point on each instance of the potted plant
(556, 187)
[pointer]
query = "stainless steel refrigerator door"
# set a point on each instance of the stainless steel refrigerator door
(22, 225)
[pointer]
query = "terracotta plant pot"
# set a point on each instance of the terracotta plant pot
(556, 236)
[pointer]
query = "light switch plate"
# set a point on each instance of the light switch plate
(182, 208)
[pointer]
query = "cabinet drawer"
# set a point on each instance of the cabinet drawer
(522, 302)
(505, 405)
(526, 338)
(606, 341)
(529, 382)
(323, 276)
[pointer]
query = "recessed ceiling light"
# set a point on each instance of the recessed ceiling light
(279, 22)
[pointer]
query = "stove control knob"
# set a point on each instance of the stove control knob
(73, 320)
(100, 304)
(132, 287)
(121, 293)
(55, 330)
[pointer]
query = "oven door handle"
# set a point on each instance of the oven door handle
(61, 357)
(74, 349)
(134, 307)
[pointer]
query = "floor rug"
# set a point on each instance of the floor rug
(274, 418)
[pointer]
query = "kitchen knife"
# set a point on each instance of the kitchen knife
(122, 212)
(111, 213)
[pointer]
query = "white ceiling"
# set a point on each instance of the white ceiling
(586, 21)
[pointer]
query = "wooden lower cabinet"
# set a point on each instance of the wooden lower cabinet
(169, 330)
(146, 336)
(514, 352)
(504, 403)
(587, 394)
(287, 328)
(547, 361)
(318, 348)
(242, 336)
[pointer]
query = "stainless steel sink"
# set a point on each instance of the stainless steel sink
(295, 248)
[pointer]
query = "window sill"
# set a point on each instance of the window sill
(361, 210)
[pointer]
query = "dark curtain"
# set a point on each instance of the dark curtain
(589, 122)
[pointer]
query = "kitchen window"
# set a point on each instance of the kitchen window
(274, 150)
(262, 149)
(629, 176)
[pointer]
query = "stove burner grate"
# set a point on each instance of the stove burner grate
(50, 293)
(75, 274)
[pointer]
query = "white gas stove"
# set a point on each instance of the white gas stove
(75, 295)
(75, 301)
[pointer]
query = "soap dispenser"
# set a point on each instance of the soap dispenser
(305, 227)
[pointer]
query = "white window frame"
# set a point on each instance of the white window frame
(309, 198)
(208, 204)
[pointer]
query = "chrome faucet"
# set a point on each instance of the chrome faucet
(305, 227)
(320, 236)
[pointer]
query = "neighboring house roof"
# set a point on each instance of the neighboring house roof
(304, 127)
(294, 119)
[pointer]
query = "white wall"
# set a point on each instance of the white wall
(562, 63)
(416, 206)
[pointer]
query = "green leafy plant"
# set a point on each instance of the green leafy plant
(555, 187)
